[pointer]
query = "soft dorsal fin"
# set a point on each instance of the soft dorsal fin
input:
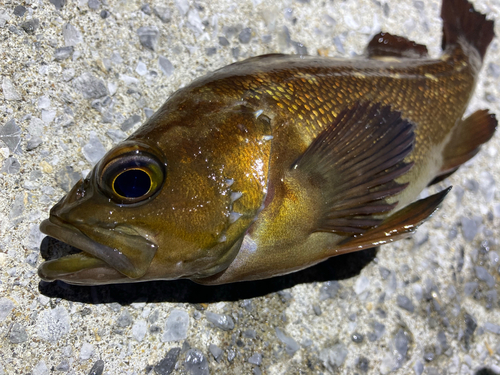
(354, 163)
(388, 45)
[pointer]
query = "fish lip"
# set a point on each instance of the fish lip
(67, 233)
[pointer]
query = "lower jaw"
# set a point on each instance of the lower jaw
(80, 269)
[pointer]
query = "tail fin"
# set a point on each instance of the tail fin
(461, 20)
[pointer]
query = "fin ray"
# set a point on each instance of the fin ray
(466, 141)
(358, 157)
(400, 225)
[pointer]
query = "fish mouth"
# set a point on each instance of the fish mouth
(96, 263)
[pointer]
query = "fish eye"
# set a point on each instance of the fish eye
(132, 177)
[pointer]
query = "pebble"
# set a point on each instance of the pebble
(124, 320)
(163, 13)
(94, 4)
(139, 330)
(441, 338)
(116, 135)
(86, 351)
(97, 368)
(58, 4)
(215, 351)
(357, 337)
(130, 122)
(483, 275)
(165, 66)
(405, 303)
(176, 326)
(66, 178)
(317, 309)
(89, 86)
(493, 70)
(429, 356)
(493, 328)
(245, 35)
(71, 35)
(141, 68)
(6, 306)
(19, 11)
(300, 49)
(11, 166)
(231, 354)
(17, 334)
(183, 6)
(63, 53)
(255, 359)
(63, 366)
(333, 357)
(196, 363)
(469, 228)
(40, 369)
(53, 324)
(363, 364)
(194, 21)
(224, 322)
(470, 327)
(418, 368)
(361, 284)
(149, 36)
(146, 9)
(291, 346)
(31, 25)
(9, 91)
(94, 149)
(378, 331)
(223, 41)
(166, 365)
(10, 134)
(329, 290)
(401, 343)
(250, 334)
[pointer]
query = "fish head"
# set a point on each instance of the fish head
(172, 201)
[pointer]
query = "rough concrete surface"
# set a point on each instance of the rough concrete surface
(78, 76)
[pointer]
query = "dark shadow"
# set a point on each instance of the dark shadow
(336, 268)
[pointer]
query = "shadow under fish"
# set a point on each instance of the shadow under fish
(186, 291)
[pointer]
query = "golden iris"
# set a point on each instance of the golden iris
(132, 177)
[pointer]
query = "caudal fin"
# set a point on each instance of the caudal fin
(460, 20)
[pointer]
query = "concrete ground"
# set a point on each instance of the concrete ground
(79, 76)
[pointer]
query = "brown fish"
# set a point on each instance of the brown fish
(275, 163)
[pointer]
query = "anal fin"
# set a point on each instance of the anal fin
(466, 141)
(388, 45)
(400, 225)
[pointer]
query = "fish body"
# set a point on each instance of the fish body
(275, 163)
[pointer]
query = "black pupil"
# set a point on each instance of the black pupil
(132, 184)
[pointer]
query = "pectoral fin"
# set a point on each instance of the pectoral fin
(354, 163)
(400, 225)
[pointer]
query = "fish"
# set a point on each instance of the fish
(278, 162)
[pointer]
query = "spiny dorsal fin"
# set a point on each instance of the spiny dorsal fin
(385, 44)
(354, 163)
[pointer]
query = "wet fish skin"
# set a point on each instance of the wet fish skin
(257, 177)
